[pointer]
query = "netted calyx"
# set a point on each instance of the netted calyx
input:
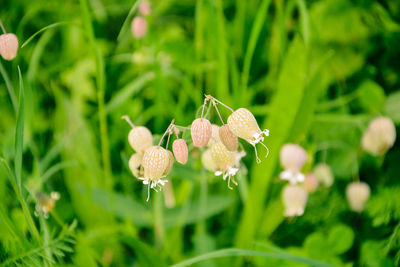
(243, 124)
(156, 165)
(139, 137)
(180, 149)
(135, 163)
(225, 162)
(8, 46)
(324, 174)
(201, 132)
(228, 138)
(379, 137)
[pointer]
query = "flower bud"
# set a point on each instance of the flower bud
(294, 199)
(214, 135)
(228, 138)
(379, 136)
(8, 46)
(293, 157)
(140, 138)
(310, 183)
(180, 150)
(208, 161)
(201, 132)
(144, 8)
(139, 27)
(134, 163)
(357, 194)
(324, 174)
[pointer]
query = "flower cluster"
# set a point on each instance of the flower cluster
(219, 145)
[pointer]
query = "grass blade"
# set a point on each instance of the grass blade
(231, 252)
(42, 30)
(19, 132)
(128, 19)
(9, 86)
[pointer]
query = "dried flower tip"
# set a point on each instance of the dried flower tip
(140, 138)
(228, 138)
(156, 161)
(214, 135)
(170, 163)
(243, 124)
(45, 203)
(294, 199)
(208, 162)
(225, 161)
(292, 157)
(8, 46)
(379, 136)
(357, 194)
(180, 150)
(201, 132)
(324, 174)
(139, 27)
(134, 163)
(310, 182)
(144, 8)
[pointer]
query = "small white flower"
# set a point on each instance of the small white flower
(292, 176)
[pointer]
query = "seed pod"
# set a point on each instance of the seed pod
(357, 194)
(144, 8)
(228, 138)
(201, 132)
(8, 46)
(170, 163)
(310, 183)
(156, 161)
(214, 135)
(243, 124)
(140, 138)
(139, 27)
(292, 157)
(180, 150)
(379, 136)
(134, 163)
(294, 199)
(208, 161)
(324, 174)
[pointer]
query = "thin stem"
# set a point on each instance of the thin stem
(219, 115)
(204, 105)
(128, 120)
(2, 27)
(167, 131)
(169, 136)
(219, 102)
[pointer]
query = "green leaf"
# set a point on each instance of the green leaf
(371, 95)
(392, 107)
(19, 132)
(231, 252)
(340, 239)
(43, 29)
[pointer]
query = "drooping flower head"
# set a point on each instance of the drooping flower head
(243, 124)
(201, 131)
(140, 138)
(135, 162)
(214, 135)
(379, 137)
(8, 46)
(156, 165)
(144, 8)
(292, 159)
(225, 161)
(294, 199)
(357, 194)
(324, 174)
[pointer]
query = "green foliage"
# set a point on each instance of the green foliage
(314, 73)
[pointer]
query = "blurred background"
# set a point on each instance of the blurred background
(313, 72)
